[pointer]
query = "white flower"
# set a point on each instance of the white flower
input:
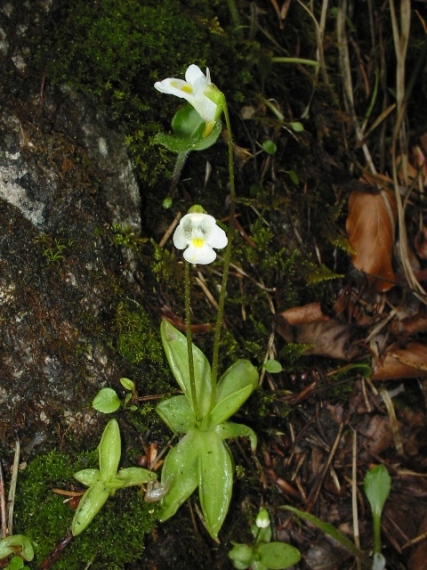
(263, 519)
(199, 91)
(198, 233)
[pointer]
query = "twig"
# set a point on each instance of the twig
(12, 488)
(344, 58)
(356, 532)
(2, 505)
(393, 420)
(170, 229)
(312, 498)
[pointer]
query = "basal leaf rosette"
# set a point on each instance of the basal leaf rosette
(202, 459)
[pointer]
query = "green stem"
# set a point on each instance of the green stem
(189, 340)
(227, 260)
(176, 175)
(376, 519)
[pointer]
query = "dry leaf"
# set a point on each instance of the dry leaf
(327, 335)
(370, 226)
(311, 313)
(409, 362)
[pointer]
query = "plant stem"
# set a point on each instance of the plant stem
(189, 340)
(376, 519)
(227, 260)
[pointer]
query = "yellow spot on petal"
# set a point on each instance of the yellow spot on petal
(198, 242)
(187, 89)
(209, 125)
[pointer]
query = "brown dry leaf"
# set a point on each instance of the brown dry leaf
(409, 362)
(327, 335)
(311, 313)
(411, 325)
(370, 227)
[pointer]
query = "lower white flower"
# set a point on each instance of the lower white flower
(197, 234)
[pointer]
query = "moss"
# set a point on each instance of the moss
(138, 340)
(113, 539)
(117, 50)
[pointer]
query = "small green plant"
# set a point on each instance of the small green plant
(377, 484)
(107, 400)
(263, 554)
(20, 547)
(126, 237)
(105, 481)
(55, 251)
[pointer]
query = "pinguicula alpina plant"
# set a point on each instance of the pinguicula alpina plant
(105, 481)
(201, 459)
(263, 554)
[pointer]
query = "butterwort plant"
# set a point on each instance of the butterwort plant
(263, 554)
(202, 459)
(105, 481)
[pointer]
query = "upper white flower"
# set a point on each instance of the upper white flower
(199, 91)
(198, 233)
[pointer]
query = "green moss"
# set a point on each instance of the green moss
(114, 538)
(117, 49)
(138, 340)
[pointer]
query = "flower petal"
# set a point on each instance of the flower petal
(194, 72)
(200, 255)
(179, 239)
(177, 87)
(217, 238)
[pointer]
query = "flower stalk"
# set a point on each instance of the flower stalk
(227, 258)
(187, 286)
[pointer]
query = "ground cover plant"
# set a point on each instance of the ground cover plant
(274, 344)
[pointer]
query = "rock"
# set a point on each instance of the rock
(65, 180)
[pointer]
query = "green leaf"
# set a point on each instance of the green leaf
(188, 128)
(135, 476)
(16, 563)
(278, 555)
(173, 143)
(127, 384)
(177, 414)
(106, 401)
(293, 176)
(273, 366)
(14, 544)
(234, 388)
(90, 504)
(175, 347)
(188, 124)
(230, 430)
(181, 471)
(297, 126)
(377, 484)
(88, 477)
(241, 555)
(269, 147)
(333, 532)
(240, 374)
(215, 480)
(110, 449)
